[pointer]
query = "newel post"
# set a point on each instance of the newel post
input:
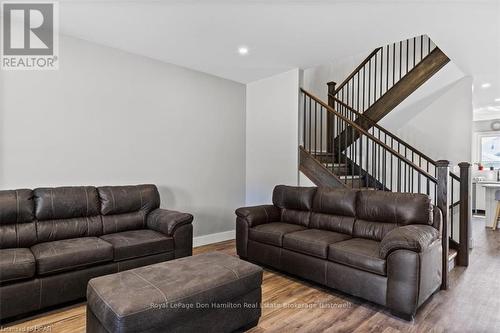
(465, 214)
(443, 172)
(329, 119)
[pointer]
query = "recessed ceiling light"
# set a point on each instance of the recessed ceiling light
(485, 85)
(243, 50)
(497, 99)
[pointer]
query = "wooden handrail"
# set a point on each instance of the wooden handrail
(386, 66)
(374, 124)
(357, 69)
(373, 138)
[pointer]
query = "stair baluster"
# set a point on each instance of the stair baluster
(376, 159)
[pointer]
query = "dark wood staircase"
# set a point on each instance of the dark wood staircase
(416, 77)
(316, 170)
(384, 79)
(343, 146)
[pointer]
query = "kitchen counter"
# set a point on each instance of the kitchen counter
(491, 204)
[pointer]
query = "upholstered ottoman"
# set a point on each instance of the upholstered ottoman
(210, 292)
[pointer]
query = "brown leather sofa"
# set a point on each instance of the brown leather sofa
(384, 247)
(54, 240)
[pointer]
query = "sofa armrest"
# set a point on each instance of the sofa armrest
(167, 221)
(259, 214)
(413, 237)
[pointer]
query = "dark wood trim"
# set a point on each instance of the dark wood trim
(357, 69)
(329, 118)
(316, 171)
(465, 214)
(380, 128)
(423, 71)
(443, 171)
(370, 136)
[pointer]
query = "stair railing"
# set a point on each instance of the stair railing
(403, 148)
(381, 70)
(460, 213)
(368, 158)
(370, 161)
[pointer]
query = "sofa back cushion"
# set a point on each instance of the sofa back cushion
(295, 203)
(67, 212)
(17, 215)
(126, 207)
(378, 212)
(334, 210)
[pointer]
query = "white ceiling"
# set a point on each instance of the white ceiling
(280, 34)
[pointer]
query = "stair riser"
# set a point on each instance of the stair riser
(338, 170)
(354, 183)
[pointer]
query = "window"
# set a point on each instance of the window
(490, 151)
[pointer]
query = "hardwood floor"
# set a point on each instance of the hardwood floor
(472, 304)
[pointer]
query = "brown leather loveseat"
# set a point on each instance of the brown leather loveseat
(384, 247)
(54, 240)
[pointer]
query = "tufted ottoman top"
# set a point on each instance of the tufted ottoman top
(159, 294)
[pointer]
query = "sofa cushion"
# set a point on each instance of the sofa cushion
(312, 241)
(67, 212)
(372, 230)
(272, 233)
(123, 222)
(293, 197)
(337, 223)
(17, 206)
(17, 235)
(127, 199)
(397, 208)
(334, 210)
(69, 254)
(16, 264)
(138, 243)
(335, 201)
(66, 202)
(358, 253)
(17, 214)
(53, 230)
(300, 217)
(295, 203)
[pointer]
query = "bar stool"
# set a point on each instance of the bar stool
(497, 214)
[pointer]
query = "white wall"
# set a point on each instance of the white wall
(316, 78)
(110, 117)
(439, 123)
(272, 125)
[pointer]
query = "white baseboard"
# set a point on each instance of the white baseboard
(214, 238)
